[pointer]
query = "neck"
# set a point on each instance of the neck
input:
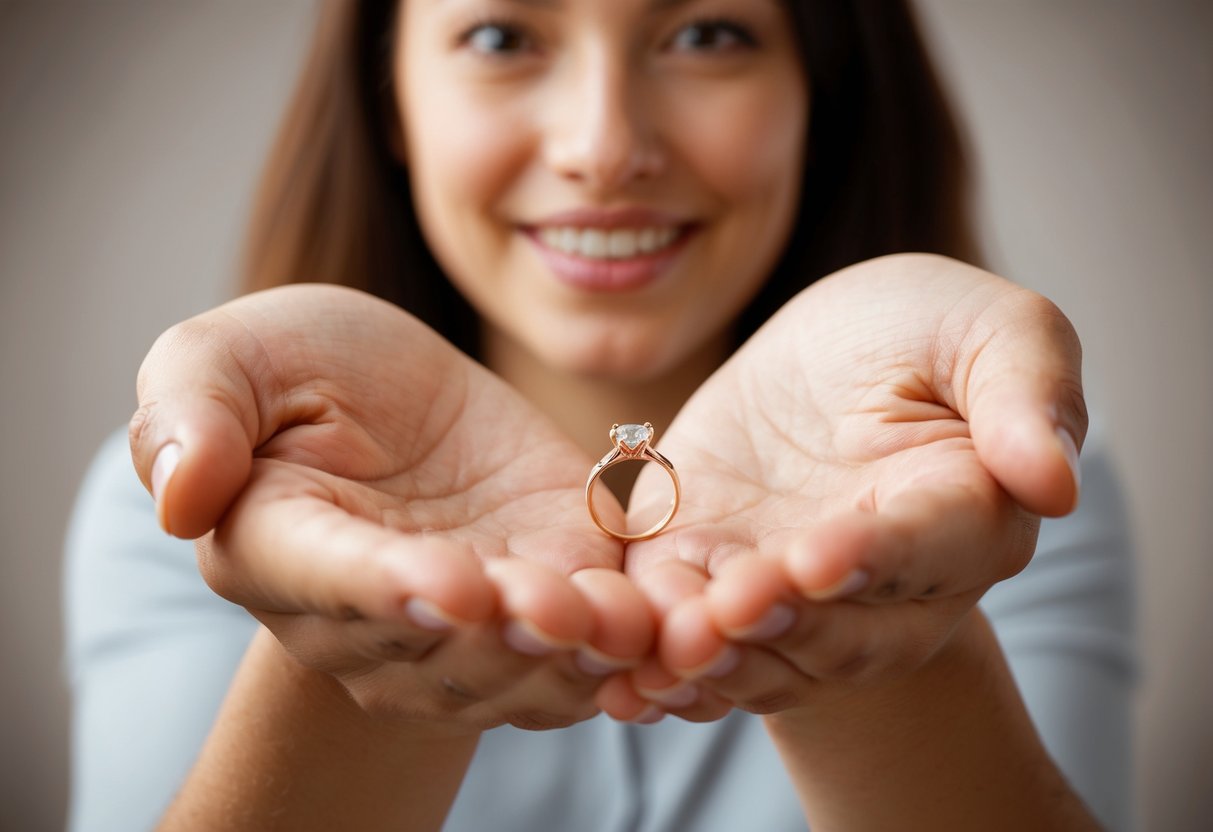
(585, 407)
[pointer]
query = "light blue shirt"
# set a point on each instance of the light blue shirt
(151, 651)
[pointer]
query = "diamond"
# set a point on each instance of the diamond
(630, 436)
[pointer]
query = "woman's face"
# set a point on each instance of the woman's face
(608, 183)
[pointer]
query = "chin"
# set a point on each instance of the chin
(608, 357)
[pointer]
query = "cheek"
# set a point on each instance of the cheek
(469, 150)
(748, 144)
(463, 153)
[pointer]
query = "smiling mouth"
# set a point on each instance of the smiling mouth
(610, 244)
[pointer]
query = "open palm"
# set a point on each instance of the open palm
(391, 510)
(858, 474)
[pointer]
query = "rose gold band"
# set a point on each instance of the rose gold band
(632, 443)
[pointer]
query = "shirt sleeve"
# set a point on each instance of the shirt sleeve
(1066, 624)
(150, 651)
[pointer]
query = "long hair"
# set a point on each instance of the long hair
(886, 169)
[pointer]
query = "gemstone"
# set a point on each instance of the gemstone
(630, 436)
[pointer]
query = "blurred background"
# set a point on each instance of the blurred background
(131, 133)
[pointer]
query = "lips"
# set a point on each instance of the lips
(609, 251)
(604, 244)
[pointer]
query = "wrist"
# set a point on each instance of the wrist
(948, 746)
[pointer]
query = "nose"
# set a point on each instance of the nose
(600, 135)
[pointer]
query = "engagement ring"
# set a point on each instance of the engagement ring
(632, 442)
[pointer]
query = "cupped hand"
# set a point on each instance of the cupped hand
(394, 513)
(854, 479)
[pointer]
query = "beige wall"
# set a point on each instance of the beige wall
(130, 131)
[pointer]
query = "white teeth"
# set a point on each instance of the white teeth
(621, 244)
(565, 239)
(617, 244)
(593, 243)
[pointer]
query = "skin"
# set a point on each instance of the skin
(601, 105)
(345, 485)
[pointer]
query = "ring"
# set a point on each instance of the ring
(632, 442)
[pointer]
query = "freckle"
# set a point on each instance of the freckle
(932, 589)
(889, 589)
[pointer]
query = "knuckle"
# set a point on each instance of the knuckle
(932, 590)
(218, 571)
(373, 702)
(1072, 402)
(455, 694)
(851, 668)
(395, 650)
(573, 678)
(892, 587)
(140, 429)
(1020, 544)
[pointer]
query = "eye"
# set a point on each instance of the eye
(496, 38)
(713, 36)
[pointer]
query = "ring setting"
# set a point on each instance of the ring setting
(632, 442)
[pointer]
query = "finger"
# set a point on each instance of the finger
(833, 641)
(685, 698)
(339, 647)
(1019, 385)
(462, 678)
(845, 641)
(754, 678)
(706, 544)
(544, 611)
(301, 553)
(751, 599)
(619, 700)
(555, 694)
(623, 624)
(692, 644)
(920, 544)
(666, 583)
(192, 437)
(481, 674)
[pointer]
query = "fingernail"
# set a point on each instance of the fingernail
(163, 468)
(596, 663)
(679, 696)
(1070, 448)
(427, 615)
(854, 581)
(524, 637)
(648, 716)
(726, 662)
(722, 664)
(776, 622)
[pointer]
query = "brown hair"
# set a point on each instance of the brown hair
(886, 166)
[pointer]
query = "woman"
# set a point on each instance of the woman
(615, 208)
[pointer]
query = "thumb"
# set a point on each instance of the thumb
(192, 437)
(1024, 403)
